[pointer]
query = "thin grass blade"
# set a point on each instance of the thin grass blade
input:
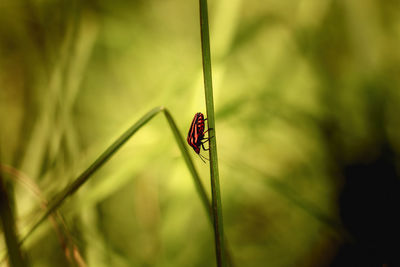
(100, 161)
(9, 228)
(214, 173)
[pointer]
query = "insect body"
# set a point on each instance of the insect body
(196, 133)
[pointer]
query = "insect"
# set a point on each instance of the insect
(196, 133)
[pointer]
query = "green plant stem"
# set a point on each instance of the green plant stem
(214, 174)
(9, 228)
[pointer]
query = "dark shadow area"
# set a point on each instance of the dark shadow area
(369, 205)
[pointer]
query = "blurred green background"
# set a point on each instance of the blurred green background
(302, 89)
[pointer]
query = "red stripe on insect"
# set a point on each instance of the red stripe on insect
(196, 134)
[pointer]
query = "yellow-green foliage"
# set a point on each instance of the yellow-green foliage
(298, 85)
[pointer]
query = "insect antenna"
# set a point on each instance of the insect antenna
(201, 157)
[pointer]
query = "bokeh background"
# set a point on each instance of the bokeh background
(307, 101)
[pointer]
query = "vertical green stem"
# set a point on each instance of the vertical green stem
(215, 189)
(7, 222)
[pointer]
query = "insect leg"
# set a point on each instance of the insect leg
(202, 145)
(207, 139)
(208, 130)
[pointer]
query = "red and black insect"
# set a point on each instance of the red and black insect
(196, 133)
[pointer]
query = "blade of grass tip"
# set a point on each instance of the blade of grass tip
(69, 190)
(199, 186)
(9, 227)
(100, 161)
(186, 156)
(214, 174)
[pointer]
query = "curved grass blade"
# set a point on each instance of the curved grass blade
(102, 159)
(199, 186)
(186, 156)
